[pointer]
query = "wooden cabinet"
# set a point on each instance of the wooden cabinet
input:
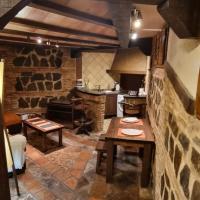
(111, 105)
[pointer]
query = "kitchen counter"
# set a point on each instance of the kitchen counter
(96, 92)
(132, 96)
(95, 102)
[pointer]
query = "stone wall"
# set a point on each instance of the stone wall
(36, 75)
(177, 160)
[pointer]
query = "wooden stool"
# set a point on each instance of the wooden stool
(101, 149)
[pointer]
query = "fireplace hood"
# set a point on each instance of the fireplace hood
(129, 61)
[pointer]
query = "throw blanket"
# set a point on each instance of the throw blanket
(18, 144)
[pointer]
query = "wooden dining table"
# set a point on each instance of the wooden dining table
(146, 140)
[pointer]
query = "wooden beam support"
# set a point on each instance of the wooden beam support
(182, 16)
(5, 190)
(121, 12)
(148, 2)
(59, 29)
(55, 8)
(56, 38)
(184, 96)
(29, 41)
(12, 13)
(198, 99)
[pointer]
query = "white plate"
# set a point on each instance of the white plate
(130, 119)
(132, 132)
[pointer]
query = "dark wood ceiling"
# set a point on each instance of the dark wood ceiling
(77, 23)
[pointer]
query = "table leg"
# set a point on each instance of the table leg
(25, 131)
(60, 137)
(44, 142)
(110, 155)
(146, 165)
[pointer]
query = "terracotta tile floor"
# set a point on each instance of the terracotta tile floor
(69, 173)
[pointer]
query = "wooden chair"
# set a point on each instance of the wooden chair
(101, 149)
(131, 109)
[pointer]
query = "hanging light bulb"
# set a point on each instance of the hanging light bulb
(137, 23)
(134, 36)
(48, 42)
(57, 45)
(136, 18)
(39, 40)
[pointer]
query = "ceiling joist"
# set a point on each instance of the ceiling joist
(148, 2)
(121, 12)
(70, 12)
(50, 37)
(30, 41)
(183, 18)
(59, 29)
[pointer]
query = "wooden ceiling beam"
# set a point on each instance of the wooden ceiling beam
(4, 19)
(148, 2)
(59, 29)
(183, 17)
(50, 37)
(70, 12)
(29, 41)
(121, 12)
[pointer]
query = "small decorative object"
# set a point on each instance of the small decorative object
(132, 93)
(117, 86)
(86, 81)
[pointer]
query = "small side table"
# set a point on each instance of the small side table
(84, 125)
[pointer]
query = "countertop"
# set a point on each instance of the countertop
(132, 96)
(107, 92)
(96, 92)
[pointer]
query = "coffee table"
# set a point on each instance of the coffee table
(44, 127)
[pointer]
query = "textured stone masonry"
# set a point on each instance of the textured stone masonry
(177, 160)
(29, 86)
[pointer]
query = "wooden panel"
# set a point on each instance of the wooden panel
(198, 99)
(111, 105)
(70, 12)
(159, 48)
(79, 68)
(4, 191)
(180, 89)
(182, 16)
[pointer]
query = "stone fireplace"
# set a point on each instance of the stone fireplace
(34, 75)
